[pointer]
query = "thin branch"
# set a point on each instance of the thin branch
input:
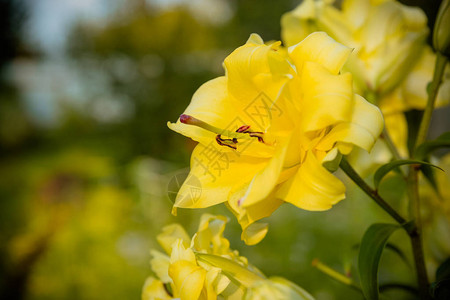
(348, 169)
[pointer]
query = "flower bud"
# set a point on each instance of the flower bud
(441, 32)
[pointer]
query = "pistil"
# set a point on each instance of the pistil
(190, 120)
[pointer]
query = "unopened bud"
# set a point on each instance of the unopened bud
(441, 32)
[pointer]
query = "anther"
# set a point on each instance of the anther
(231, 143)
(243, 128)
(243, 132)
(257, 134)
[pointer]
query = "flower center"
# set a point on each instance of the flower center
(231, 141)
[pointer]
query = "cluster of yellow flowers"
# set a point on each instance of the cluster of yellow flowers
(205, 267)
(271, 130)
(391, 62)
(275, 127)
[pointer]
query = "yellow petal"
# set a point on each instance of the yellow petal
(312, 187)
(249, 70)
(276, 288)
(327, 99)
(318, 47)
(188, 279)
(234, 292)
(231, 268)
(170, 234)
(311, 16)
(356, 11)
(393, 37)
(213, 174)
(397, 127)
(180, 252)
(415, 85)
(332, 21)
(255, 39)
(160, 265)
(209, 291)
(253, 233)
(363, 130)
(209, 237)
(211, 104)
(217, 280)
(264, 181)
(154, 290)
(299, 23)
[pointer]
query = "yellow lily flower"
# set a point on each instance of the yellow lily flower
(178, 272)
(436, 214)
(207, 268)
(256, 285)
(266, 128)
(387, 38)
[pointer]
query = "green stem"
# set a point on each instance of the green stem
(390, 144)
(439, 69)
(416, 233)
(335, 274)
(412, 228)
(413, 185)
(348, 169)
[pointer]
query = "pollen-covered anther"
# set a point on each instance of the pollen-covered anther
(243, 128)
(257, 134)
(231, 143)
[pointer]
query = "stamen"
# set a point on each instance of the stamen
(258, 134)
(242, 132)
(231, 143)
(243, 128)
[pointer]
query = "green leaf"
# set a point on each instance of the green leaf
(372, 245)
(393, 248)
(441, 288)
(429, 174)
(413, 118)
(399, 252)
(384, 169)
(400, 286)
(426, 148)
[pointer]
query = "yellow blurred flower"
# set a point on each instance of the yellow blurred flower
(436, 215)
(390, 62)
(154, 290)
(386, 37)
(276, 288)
(205, 267)
(178, 272)
(269, 126)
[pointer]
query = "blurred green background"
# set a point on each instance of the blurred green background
(86, 89)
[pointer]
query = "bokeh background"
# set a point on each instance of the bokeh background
(86, 89)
